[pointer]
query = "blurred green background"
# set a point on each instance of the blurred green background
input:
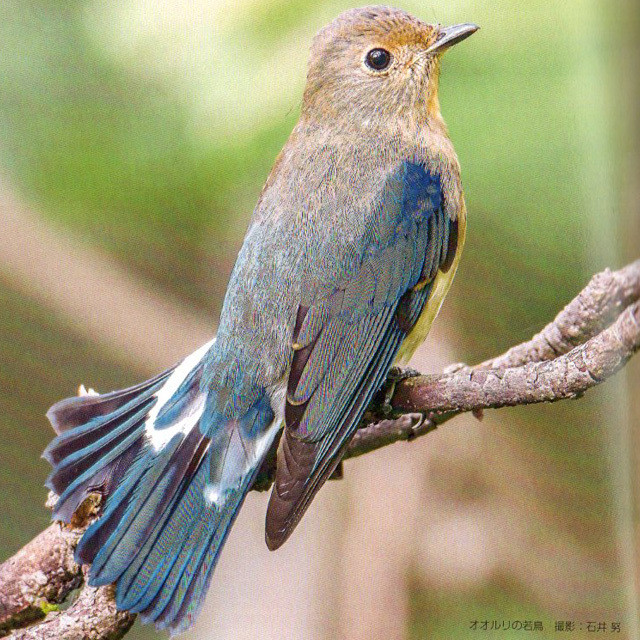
(142, 132)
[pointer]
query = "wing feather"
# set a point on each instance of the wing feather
(344, 350)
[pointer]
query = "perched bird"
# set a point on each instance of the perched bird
(352, 247)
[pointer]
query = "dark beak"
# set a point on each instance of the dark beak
(448, 36)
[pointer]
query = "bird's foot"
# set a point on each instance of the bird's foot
(395, 375)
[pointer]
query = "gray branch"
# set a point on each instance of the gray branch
(589, 341)
(93, 616)
(43, 575)
(39, 577)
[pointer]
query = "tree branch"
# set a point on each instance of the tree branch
(588, 341)
(38, 577)
(42, 576)
(93, 616)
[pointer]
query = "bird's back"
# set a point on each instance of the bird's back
(316, 216)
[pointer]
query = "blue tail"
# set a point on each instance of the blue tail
(170, 492)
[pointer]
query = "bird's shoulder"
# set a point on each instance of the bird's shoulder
(323, 174)
(331, 199)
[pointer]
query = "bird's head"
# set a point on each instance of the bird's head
(375, 64)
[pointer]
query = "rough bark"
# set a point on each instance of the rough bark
(39, 576)
(589, 341)
(93, 616)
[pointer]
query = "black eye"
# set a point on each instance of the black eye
(378, 59)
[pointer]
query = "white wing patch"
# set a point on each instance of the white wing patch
(158, 438)
(240, 460)
(241, 455)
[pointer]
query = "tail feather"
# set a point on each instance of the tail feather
(144, 499)
(148, 571)
(171, 488)
(143, 586)
(83, 410)
(176, 605)
(140, 585)
(89, 456)
(93, 456)
(104, 482)
(167, 476)
(81, 438)
(87, 479)
(187, 552)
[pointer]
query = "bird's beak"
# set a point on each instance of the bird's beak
(448, 36)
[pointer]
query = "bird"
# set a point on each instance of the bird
(351, 249)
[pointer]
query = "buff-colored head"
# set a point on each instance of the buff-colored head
(377, 62)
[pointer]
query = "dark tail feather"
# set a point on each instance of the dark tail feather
(170, 493)
(99, 438)
(86, 408)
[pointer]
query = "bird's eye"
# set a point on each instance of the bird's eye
(378, 59)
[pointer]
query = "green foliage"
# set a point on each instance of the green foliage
(111, 154)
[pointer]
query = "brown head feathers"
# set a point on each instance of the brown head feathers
(371, 63)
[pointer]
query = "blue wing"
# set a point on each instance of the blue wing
(346, 341)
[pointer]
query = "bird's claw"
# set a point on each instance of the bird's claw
(395, 375)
